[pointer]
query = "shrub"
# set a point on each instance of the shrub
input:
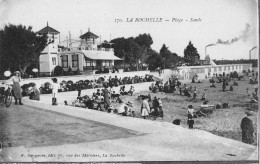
(58, 71)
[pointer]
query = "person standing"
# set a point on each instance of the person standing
(145, 109)
(224, 85)
(16, 79)
(79, 88)
(106, 97)
(55, 88)
(247, 128)
(190, 116)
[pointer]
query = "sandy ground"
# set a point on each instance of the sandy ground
(32, 127)
(222, 122)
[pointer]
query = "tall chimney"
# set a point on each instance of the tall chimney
(250, 55)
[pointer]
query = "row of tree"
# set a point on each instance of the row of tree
(137, 51)
(20, 48)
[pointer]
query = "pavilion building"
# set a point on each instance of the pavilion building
(86, 58)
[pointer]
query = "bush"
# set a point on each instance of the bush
(58, 71)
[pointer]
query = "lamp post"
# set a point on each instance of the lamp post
(35, 71)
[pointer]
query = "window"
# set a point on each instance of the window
(65, 61)
(75, 60)
(220, 68)
(53, 61)
(215, 69)
(88, 63)
(228, 67)
(225, 68)
(232, 67)
(107, 63)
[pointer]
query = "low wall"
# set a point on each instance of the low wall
(42, 80)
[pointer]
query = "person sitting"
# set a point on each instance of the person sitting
(119, 100)
(101, 105)
(155, 108)
(122, 90)
(125, 109)
(35, 93)
(180, 90)
(193, 80)
(151, 87)
(155, 89)
(212, 85)
(186, 92)
(131, 91)
(235, 84)
(231, 88)
(94, 96)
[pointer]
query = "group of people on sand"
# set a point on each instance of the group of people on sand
(148, 107)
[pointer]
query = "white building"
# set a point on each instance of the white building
(49, 56)
(203, 71)
(87, 57)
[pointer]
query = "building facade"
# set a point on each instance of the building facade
(48, 59)
(86, 57)
(203, 71)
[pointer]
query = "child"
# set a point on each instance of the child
(131, 91)
(195, 93)
(190, 121)
(55, 88)
(35, 94)
(160, 104)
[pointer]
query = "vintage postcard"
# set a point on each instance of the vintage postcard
(129, 81)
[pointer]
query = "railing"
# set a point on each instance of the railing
(88, 49)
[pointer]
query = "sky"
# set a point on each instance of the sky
(230, 26)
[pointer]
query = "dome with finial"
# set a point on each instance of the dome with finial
(48, 30)
(88, 35)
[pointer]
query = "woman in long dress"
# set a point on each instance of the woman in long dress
(106, 97)
(145, 109)
(16, 79)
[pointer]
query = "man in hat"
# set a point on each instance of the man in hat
(16, 79)
(125, 109)
(247, 128)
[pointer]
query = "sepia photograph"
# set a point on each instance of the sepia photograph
(116, 81)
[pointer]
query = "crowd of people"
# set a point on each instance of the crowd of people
(101, 99)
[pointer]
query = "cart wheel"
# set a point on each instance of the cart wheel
(8, 99)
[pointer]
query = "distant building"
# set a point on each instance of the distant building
(86, 57)
(203, 71)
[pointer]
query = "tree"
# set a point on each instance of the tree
(191, 54)
(170, 59)
(154, 60)
(127, 50)
(144, 40)
(20, 47)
